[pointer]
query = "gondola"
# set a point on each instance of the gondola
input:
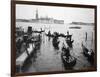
(89, 54)
(75, 27)
(62, 35)
(70, 43)
(50, 35)
(55, 42)
(69, 40)
(68, 60)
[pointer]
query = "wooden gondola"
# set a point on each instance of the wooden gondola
(68, 60)
(50, 35)
(62, 35)
(89, 54)
(55, 42)
(69, 41)
(38, 31)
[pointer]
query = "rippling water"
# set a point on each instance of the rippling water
(49, 59)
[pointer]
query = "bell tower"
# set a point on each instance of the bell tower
(36, 13)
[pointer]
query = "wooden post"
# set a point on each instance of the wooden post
(86, 36)
(92, 40)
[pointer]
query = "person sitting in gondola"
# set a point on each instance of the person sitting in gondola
(65, 52)
(26, 43)
(68, 60)
(55, 42)
(69, 39)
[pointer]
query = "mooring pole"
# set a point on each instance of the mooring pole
(86, 36)
(92, 40)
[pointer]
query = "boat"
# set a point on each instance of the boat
(75, 27)
(89, 54)
(62, 35)
(69, 41)
(68, 60)
(55, 42)
(38, 31)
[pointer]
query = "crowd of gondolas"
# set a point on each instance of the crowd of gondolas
(68, 60)
(23, 39)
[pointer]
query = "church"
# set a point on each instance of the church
(45, 20)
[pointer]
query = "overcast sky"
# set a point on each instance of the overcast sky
(68, 14)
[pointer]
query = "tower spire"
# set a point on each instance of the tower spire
(36, 13)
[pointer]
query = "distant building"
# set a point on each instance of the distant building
(45, 20)
(37, 14)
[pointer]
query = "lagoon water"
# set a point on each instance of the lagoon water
(49, 59)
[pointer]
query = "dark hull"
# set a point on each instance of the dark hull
(68, 63)
(90, 57)
(76, 27)
(49, 35)
(56, 45)
(70, 43)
